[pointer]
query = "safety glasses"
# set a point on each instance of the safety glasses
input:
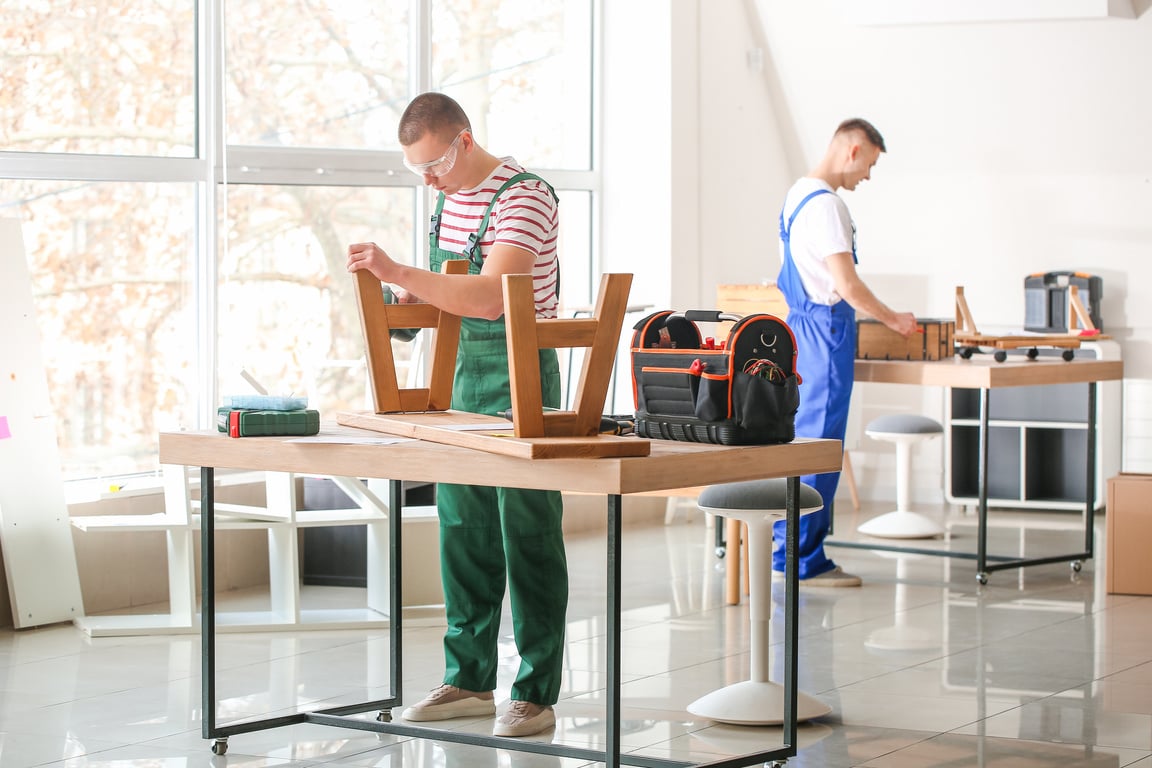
(441, 166)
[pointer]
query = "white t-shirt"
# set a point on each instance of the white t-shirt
(525, 216)
(822, 228)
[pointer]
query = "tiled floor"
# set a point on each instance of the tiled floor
(921, 666)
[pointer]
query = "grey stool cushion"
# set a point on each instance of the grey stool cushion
(756, 495)
(904, 424)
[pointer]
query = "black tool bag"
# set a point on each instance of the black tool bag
(744, 394)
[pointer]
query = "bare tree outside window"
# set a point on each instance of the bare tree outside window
(108, 92)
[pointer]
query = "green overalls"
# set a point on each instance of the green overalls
(488, 532)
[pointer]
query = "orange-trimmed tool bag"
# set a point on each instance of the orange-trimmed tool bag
(686, 388)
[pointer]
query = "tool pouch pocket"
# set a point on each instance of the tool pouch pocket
(746, 393)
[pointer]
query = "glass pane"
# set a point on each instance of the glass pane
(578, 283)
(287, 311)
(111, 268)
(116, 77)
(522, 70)
(326, 74)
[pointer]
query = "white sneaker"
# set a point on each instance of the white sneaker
(524, 718)
(448, 701)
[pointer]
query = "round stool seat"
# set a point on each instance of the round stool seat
(759, 504)
(903, 429)
(757, 499)
(898, 425)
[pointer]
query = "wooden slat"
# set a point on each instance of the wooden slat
(444, 349)
(523, 356)
(377, 342)
(564, 333)
(596, 375)
(498, 441)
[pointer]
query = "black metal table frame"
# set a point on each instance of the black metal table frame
(611, 755)
(986, 563)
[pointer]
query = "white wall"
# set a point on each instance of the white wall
(1014, 148)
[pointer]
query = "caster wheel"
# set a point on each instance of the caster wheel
(1067, 354)
(966, 352)
(384, 716)
(1000, 355)
(1033, 353)
(720, 552)
(982, 578)
(220, 746)
(1076, 566)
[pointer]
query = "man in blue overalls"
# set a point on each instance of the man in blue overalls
(503, 220)
(818, 278)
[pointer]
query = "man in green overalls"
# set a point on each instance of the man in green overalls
(504, 221)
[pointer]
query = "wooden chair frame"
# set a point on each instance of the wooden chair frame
(527, 335)
(377, 320)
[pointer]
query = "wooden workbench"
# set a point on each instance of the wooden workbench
(669, 465)
(985, 374)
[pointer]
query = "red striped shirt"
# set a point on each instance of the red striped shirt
(525, 216)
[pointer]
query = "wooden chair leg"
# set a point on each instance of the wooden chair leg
(732, 583)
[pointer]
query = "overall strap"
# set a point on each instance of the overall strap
(434, 224)
(786, 230)
(472, 249)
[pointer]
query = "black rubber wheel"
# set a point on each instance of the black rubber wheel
(1033, 353)
(1076, 566)
(982, 578)
(1067, 354)
(1000, 355)
(220, 746)
(966, 352)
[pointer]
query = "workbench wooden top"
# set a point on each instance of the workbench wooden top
(670, 465)
(985, 373)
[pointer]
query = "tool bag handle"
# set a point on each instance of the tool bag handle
(706, 316)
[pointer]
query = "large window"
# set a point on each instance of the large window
(188, 177)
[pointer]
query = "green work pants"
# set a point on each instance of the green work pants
(490, 537)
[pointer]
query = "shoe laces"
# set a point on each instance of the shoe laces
(441, 691)
(518, 709)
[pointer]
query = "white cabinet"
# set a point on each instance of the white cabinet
(1037, 441)
(282, 519)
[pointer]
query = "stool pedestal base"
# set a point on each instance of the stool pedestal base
(902, 525)
(754, 703)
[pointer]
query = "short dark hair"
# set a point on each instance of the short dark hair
(431, 112)
(865, 127)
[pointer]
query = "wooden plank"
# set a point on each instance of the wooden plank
(985, 374)
(444, 349)
(377, 342)
(670, 464)
(556, 333)
(499, 439)
(523, 355)
(596, 374)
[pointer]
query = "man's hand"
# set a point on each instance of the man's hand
(372, 257)
(904, 323)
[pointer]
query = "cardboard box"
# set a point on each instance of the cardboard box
(743, 300)
(875, 341)
(1128, 527)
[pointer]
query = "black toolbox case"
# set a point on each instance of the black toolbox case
(744, 394)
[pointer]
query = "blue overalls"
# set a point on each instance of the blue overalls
(490, 534)
(825, 360)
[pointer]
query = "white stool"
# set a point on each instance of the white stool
(904, 429)
(758, 701)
